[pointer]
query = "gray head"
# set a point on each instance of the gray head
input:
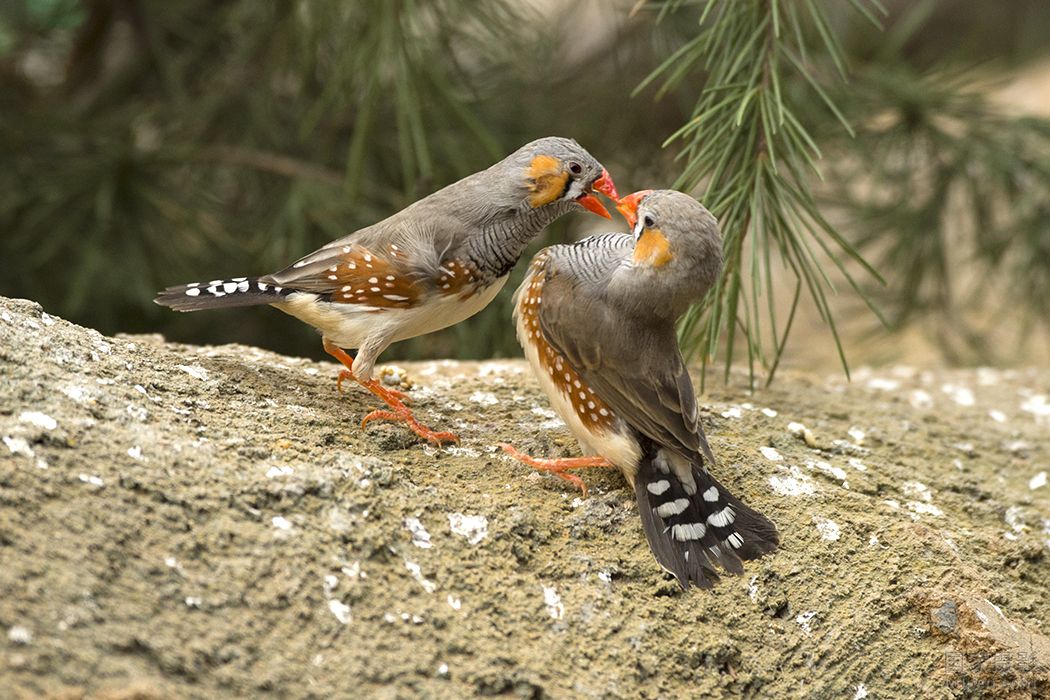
(552, 171)
(678, 248)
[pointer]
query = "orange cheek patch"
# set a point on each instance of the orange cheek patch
(591, 410)
(546, 180)
(362, 277)
(653, 248)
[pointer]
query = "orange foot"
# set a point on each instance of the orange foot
(391, 397)
(558, 467)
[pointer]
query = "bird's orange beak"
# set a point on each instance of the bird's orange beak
(605, 185)
(628, 206)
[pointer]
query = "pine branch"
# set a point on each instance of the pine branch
(747, 144)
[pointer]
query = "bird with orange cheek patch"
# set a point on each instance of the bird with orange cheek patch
(431, 265)
(597, 322)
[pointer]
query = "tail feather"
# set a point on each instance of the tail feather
(694, 525)
(217, 294)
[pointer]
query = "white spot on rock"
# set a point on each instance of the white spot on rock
(281, 523)
(194, 371)
(551, 599)
(771, 454)
(485, 398)
(473, 527)
(795, 483)
(91, 479)
(40, 420)
(1038, 481)
(341, 610)
(804, 620)
(769, 413)
(19, 635)
(18, 446)
(417, 573)
(420, 536)
(959, 394)
(732, 412)
(829, 530)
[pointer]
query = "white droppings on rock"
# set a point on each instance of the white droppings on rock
(920, 399)
(1038, 406)
(552, 601)
(19, 635)
(1014, 517)
(417, 573)
(38, 419)
(917, 490)
(961, 395)
(194, 371)
(795, 483)
(857, 435)
(443, 669)
(135, 452)
(997, 416)
(193, 601)
(861, 693)
(279, 471)
(281, 523)
(1038, 481)
(341, 610)
(732, 412)
(752, 589)
(420, 536)
(796, 428)
(919, 508)
(805, 621)
(857, 464)
(473, 527)
(18, 446)
(834, 472)
(454, 602)
(461, 451)
(312, 371)
(485, 398)
(770, 453)
(76, 393)
(769, 413)
(543, 412)
(829, 530)
(883, 384)
(91, 479)
(892, 503)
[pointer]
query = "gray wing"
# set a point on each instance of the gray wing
(633, 364)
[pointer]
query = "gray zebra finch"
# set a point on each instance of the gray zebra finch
(429, 266)
(597, 322)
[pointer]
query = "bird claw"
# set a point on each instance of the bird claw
(558, 467)
(402, 414)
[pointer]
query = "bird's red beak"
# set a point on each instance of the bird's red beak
(628, 206)
(605, 185)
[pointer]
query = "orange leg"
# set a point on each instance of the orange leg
(391, 397)
(558, 467)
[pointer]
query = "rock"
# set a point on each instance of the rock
(211, 521)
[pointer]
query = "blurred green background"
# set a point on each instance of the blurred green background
(149, 143)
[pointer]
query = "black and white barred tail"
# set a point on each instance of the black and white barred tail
(217, 294)
(696, 528)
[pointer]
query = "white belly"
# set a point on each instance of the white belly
(621, 450)
(349, 325)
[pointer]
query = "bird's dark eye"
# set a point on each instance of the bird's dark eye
(575, 168)
(648, 221)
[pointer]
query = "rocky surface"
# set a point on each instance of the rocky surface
(182, 521)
